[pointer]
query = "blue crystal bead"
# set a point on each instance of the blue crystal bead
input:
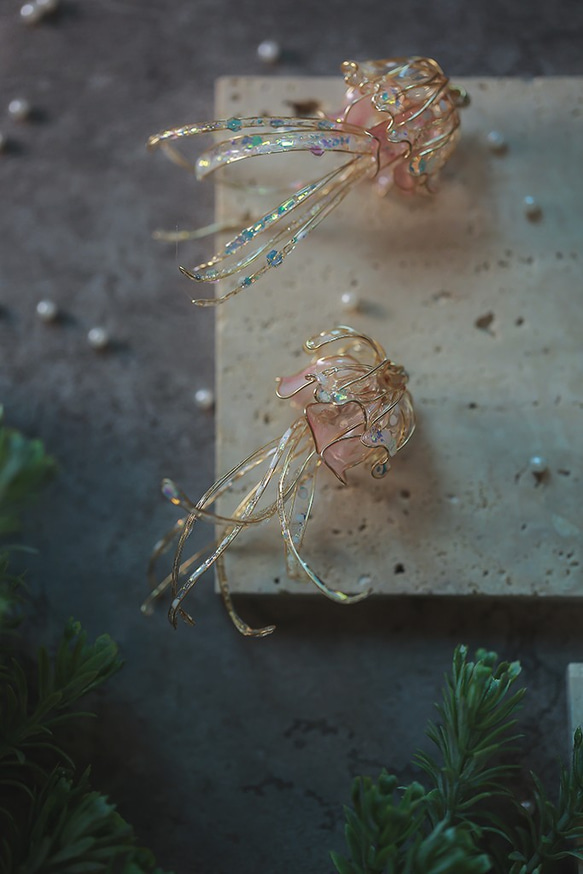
(274, 258)
(234, 124)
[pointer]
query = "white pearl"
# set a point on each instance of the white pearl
(531, 208)
(538, 464)
(496, 142)
(269, 51)
(47, 310)
(98, 338)
(30, 13)
(47, 7)
(204, 398)
(19, 109)
(350, 301)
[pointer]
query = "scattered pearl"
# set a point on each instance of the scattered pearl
(532, 210)
(269, 51)
(98, 338)
(350, 301)
(204, 398)
(47, 310)
(19, 109)
(496, 142)
(538, 465)
(30, 13)
(47, 7)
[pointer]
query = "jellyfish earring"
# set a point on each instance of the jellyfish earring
(354, 409)
(399, 125)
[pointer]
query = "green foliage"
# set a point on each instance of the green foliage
(72, 829)
(51, 821)
(467, 820)
(24, 470)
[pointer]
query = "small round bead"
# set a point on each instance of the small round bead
(204, 398)
(47, 310)
(496, 142)
(30, 13)
(98, 338)
(538, 464)
(19, 109)
(47, 7)
(350, 301)
(269, 51)
(531, 208)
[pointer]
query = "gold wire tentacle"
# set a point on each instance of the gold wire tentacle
(244, 509)
(374, 391)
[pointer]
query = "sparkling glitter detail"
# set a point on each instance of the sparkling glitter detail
(274, 258)
(170, 491)
(399, 125)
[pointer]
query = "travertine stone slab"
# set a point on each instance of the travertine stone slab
(481, 305)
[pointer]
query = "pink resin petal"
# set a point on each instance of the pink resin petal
(330, 423)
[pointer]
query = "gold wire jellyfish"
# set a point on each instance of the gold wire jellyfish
(355, 408)
(399, 125)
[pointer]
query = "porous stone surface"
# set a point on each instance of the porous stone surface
(482, 306)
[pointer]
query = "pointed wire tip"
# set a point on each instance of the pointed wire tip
(187, 273)
(207, 301)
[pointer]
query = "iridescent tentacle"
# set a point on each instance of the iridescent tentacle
(317, 204)
(286, 531)
(288, 441)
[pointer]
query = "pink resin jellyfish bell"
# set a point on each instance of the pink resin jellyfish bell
(352, 407)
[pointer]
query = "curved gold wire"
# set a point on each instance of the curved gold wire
(381, 421)
(413, 124)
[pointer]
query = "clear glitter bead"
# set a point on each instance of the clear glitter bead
(170, 491)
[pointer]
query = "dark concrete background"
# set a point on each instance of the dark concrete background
(227, 754)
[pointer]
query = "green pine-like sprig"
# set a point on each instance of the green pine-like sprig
(25, 469)
(467, 820)
(51, 820)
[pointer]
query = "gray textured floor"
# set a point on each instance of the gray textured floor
(228, 754)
